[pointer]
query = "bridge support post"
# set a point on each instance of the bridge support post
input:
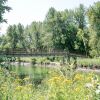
(68, 58)
(63, 60)
(75, 62)
(19, 60)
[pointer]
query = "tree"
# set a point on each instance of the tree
(61, 30)
(61, 27)
(69, 29)
(21, 36)
(3, 42)
(49, 24)
(94, 28)
(3, 9)
(80, 14)
(12, 36)
(34, 32)
(81, 43)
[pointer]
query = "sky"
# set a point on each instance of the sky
(27, 11)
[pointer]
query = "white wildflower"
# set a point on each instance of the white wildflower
(97, 91)
(88, 85)
(99, 87)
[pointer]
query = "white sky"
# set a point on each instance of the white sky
(26, 11)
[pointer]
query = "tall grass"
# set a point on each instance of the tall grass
(89, 62)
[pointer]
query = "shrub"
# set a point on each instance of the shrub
(33, 61)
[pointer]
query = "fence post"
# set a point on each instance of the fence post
(75, 62)
(68, 58)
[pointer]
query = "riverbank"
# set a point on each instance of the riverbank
(53, 65)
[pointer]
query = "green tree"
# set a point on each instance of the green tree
(34, 32)
(81, 43)
(49, 24)
(4, 42)
(94, 27)
(3, 9)
(80, 15)
(61, 27)
(12, 36)
(21, 36)
(69, 29)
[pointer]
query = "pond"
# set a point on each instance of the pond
(36, 73)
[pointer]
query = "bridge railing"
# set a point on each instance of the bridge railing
(24, 51)
(34, 52)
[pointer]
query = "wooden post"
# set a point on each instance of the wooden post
(68, 58)
(75, 62)
(63, 60)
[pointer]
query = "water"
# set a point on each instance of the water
(36, 73)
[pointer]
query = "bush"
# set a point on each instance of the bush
(89, 63)
(33, 61)
(1, 59)
(51, 59)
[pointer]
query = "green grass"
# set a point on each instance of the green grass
(24, 59)
(40, 59)
(89, 62)
(85, 62)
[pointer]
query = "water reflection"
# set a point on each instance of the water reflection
(36, 73)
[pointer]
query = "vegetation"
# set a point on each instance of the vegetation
(3, 9)
(89, 63)
(54, 87)
(76, 30)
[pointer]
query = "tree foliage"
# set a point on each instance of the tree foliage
(3, 9)
(73, 30)
(94, 28)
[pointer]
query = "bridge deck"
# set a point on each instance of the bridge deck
(26, 54)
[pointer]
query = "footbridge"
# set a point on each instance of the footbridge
(25, 53)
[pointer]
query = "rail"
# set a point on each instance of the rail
(38, 53)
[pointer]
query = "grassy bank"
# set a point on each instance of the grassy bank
(89, 62)
(81, 62)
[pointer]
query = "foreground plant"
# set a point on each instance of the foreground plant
(82, 86)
